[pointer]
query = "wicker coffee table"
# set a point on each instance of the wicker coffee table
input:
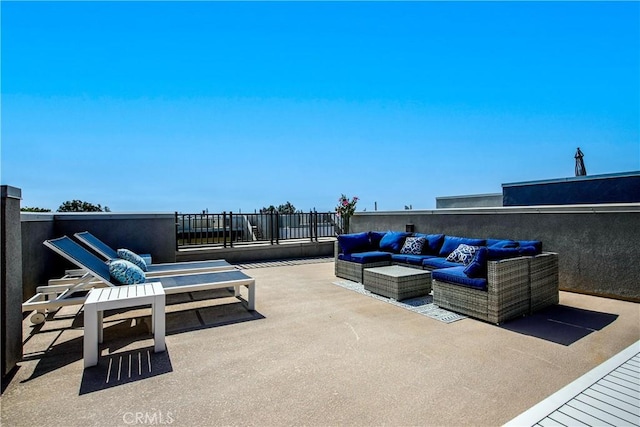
(397, 282)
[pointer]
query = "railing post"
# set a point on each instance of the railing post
(230, 229)
(277, 228)
(315, 222)
(224, 229)
(271, 227)
(176, 227)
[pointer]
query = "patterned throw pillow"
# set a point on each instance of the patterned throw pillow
(133, 257)
(125, 272)
(413, 245)
(463, 254)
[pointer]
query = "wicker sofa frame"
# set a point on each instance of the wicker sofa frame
(515, 287)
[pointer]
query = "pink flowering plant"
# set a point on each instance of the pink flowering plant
(345, 210)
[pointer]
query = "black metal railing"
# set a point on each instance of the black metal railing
(228, 228)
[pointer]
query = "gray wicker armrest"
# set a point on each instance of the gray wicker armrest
(508, 292)
(544, 281)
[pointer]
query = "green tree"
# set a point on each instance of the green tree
(287, 208)
(28, 209)
(80, 206)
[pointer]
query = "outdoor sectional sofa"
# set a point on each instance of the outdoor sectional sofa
(489, 279)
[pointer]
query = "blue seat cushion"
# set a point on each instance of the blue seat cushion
(371, 256)
(433, 244)
(356, 242)
(477, 268)
(410, 259)
(450, 244)
(456, 276)
(393, 241)
(438, 262)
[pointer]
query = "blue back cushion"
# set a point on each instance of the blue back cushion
(374, 239)
(478, 266)
(495, 254)
(452, 242)
(393, 241)
(434, 242)
(356, 242)
(496, 243)
(535, 243)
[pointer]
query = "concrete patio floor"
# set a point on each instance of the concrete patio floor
(311, 354)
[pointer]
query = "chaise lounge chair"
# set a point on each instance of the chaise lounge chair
(154, 270)
(97, 275)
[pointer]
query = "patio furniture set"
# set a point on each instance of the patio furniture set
(115, 283)
(489, 279)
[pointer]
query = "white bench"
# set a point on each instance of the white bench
(100, 299)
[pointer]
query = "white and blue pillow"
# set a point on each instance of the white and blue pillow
(132, 257)
(463, 254)
(413, 245)
(125, 272)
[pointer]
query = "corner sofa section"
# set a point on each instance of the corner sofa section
(500, 280)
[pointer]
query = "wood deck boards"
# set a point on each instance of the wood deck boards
(608, 395)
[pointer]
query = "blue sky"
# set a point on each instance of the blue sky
(169, 106)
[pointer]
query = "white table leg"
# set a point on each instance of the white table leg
(100, 326)
(158, 321)
(90, 336)
(252, 296)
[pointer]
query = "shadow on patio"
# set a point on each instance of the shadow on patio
(561, 324)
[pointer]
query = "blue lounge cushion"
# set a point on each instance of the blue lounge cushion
(438, 262)
(434, 242)
(528, 251)
(497, 243)
(355, 242)
(371, 256)
(125, 272)
(132, 257)
(410, 259)
(393, 241)
(463, 254)
(477, 268)
(496, 254)
(450, 244)
(456, 276)
(413, 245)
(535, 243)
(374, 239)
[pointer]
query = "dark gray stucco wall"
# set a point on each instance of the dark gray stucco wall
(39, 264)
(470, 201)
(592, 189)
(10, 278)
(142, 233)
(595, 243)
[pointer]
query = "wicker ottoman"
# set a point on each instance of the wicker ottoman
(397, 282)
